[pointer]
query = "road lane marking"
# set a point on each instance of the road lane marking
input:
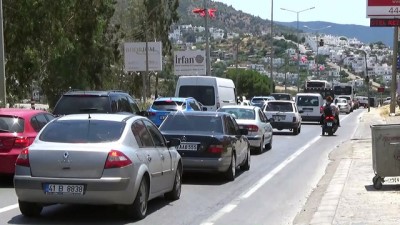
(8, 208)
(234, 203)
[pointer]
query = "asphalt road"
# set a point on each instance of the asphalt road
(273, 191)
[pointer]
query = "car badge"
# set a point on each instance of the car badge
(66, 155)
(183, 139)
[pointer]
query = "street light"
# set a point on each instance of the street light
(298, 43)
(272, 47)
(317, 43)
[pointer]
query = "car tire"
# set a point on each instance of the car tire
(296, 131)
(138, 209)
(230, 174)
(30, 209)
(175, 193)
(260, 149)
(246, 165)
(269, 145)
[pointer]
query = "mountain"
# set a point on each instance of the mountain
(235, 20)
(363, 33)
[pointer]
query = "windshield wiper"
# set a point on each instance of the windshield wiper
(5, 131)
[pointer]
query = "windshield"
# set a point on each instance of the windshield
(282, 96)
(75, 104)
(10, 124)
(168, 105)
(340, 100)
(342, 90)
(203, 94)
(241, 114)
(307, 101)
(279, 107)
(207, 123)
(82, 131)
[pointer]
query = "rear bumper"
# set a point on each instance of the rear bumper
(194, 164)
(254, 141)
(284, 125)
(311, 118)
(7, 162)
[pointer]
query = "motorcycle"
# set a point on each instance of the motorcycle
(329, 126)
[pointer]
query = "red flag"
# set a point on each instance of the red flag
(211, 12)
(202, 12)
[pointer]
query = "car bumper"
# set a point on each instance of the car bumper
(7, 162)
(284, 125)
(103, 191)
(254, 141)
(194, 164)
(311, 118)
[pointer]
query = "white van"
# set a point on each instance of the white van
(311, 106)
(212, 92)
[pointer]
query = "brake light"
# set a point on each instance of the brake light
(21, 142)
(330, 118)
(216, 148)
(252, 128)
(116, 159)
(23, 158)
(152, 113)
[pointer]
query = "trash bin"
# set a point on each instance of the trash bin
(385, 152)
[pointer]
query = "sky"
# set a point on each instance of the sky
(334, 11)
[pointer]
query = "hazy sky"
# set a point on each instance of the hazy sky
(335, 11)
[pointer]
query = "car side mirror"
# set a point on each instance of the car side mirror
(143, 113)
(173, 142)
(301, 111)
(204, 108)
(244, 131)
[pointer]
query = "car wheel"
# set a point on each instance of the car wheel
(269, 145)
(138, 208)
(246, 165)
(296, 131)
(261, 148)
(230, 174)
(175, 193)
(30, 209)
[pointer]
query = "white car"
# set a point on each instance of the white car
(283, 114)
(251, 117)
(343, 105)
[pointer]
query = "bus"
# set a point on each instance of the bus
(345, 91)
(322, 87)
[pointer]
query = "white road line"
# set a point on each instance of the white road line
(8, 208)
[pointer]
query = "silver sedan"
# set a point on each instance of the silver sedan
(100, 159)
(254, 120)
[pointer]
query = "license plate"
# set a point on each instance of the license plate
(187, 147)
(278, 117)
(162, 117)
(61, 189)
(307, 110)
(329, 124)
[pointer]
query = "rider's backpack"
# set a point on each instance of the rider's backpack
(328, 110)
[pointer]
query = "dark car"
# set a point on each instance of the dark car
(112, 101)
(18, 129)
(210, 141)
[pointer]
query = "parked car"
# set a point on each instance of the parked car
(210, 142)
(254, 120)
(18, 129)
(161, 107)
(283, 115)
(112, 101)
(343, 105)
(260, 101)
(98, 159)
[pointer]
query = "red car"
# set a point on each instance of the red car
(18, 129)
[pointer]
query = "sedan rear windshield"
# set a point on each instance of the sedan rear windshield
(192, 123)
(10, 124)
(76, 104)
(240, 114)
(168, 105)
(279, 107)
(82, 131)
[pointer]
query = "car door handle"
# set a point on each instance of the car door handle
(148, 158)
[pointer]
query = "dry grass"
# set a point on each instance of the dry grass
(385, 110)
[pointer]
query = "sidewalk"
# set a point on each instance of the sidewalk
(349, 196)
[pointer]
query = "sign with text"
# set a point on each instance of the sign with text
(135, 56)
(384, 22)
(383, 8)
(381, 89)
(189, 63)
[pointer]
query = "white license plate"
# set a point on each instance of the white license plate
(188, 147)
(278, 117)
(329, 124)
(61, 189)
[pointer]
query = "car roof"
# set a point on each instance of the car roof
(289, 101)
(180, 99)
(239, 106)
(312, 94)
(19, 112)
(118, 117)
(201, 113)
(97, 93)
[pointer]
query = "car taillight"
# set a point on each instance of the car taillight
(330, 118)
(152, 113)
(23, 158)
(116, 159)
(252, 128)
(21, 142)
(216, 148)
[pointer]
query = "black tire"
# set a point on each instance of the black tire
(330, 133)
(138, 209)
(260, 149)
(175, 193)
(296, 131)
(377, 181)
(30, 209)
(269, 145)
(230, 174)
(246, 165)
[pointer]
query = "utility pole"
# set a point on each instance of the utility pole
(272, 47)
(393, 85)
(208, 63)
(3, 95)
(237, 65)
(367, 80)
(146, 74)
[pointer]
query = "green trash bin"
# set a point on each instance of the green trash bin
(385, 152)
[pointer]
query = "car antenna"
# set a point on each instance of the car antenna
(89, 117)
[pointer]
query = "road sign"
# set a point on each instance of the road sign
(381, 89)
(189, 63)
(384, 22)
(383, 8)
(135, 56)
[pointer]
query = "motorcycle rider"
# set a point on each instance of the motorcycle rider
(333, 109)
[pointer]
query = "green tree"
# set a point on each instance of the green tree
(249, 83)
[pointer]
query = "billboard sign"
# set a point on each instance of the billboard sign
(384, 22)
(189, 63)
(383, 8)
(135, 56)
